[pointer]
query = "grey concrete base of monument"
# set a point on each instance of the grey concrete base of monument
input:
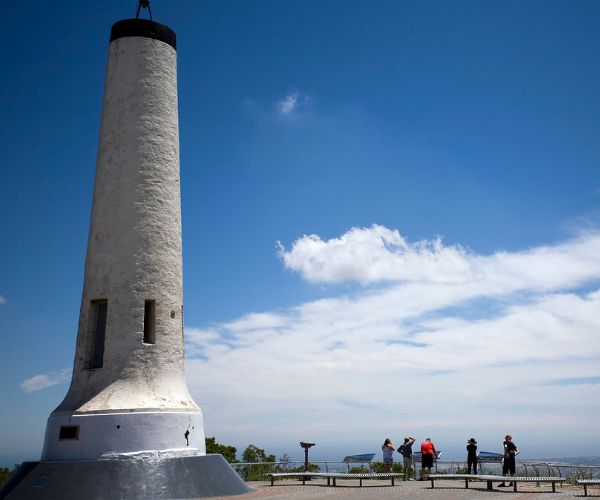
(129, 478)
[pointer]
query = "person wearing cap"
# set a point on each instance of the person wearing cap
(509, 464)
(472, 455)
(406, 451)
(428, 453)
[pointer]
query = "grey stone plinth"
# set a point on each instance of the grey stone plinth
(131, 478)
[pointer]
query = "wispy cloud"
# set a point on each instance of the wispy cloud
(438, 331)
(43, 381)
(2, 300)
(292, 104)
(576, 381)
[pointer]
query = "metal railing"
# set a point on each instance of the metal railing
(253, 471)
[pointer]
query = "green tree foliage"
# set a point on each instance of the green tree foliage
(5, 474)
(378, 467)
(358, 470)
(228, 452)
(257, 456)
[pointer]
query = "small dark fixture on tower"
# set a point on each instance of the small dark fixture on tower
(143, 4)
(306, 446)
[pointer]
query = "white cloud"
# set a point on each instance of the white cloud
(447, 335)
(292, 103)
(375, 254)
(256, 322)
(43, 381)
(2, 300)
(288, 104)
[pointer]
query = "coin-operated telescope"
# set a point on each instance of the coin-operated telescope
(306, 446)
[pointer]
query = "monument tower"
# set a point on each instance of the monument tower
(128, 426)
(128, 376)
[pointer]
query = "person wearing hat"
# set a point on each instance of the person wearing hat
(472, 455)
(509, 463)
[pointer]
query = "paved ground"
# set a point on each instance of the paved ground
(416, 490)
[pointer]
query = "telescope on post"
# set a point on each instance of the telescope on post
(306, 447)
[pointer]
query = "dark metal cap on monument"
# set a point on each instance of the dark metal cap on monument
(143, 28)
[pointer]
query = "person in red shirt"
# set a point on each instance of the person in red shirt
(428, 454)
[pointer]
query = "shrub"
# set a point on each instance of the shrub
(257, 456)
(358, 470)
(6, 473)
(228, 452)
(378, 467)
(579, 474)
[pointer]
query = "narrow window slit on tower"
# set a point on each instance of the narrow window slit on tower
(150, 322)
(98, 311)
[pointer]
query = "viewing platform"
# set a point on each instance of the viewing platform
(416, 490)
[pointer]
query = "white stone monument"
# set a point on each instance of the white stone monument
(128, 392)
(128, 426)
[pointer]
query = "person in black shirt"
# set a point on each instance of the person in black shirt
(472, 455)
(406, 451)
(508, 463)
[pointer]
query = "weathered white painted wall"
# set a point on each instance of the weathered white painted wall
(134, 254)
(117, 435)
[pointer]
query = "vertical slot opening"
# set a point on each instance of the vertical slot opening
(99, 311)
(150, 322)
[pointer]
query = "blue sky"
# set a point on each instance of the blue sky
(391, 217)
